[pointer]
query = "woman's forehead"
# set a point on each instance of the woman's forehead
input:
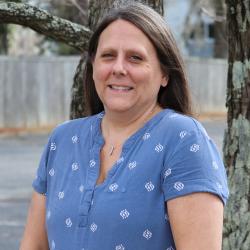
(123, 33)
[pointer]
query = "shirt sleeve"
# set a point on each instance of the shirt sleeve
(194, 166)
(40, 182)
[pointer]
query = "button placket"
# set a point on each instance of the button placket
(88, 192)
(85, 207)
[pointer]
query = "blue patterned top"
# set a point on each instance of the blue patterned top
(170, 156)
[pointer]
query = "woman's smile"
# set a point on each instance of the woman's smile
(120, 88)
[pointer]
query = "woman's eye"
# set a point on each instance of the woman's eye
(136, 58)
(107, 55)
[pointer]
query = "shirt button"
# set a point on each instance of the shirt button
(83, 221)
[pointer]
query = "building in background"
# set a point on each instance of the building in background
(193, 26)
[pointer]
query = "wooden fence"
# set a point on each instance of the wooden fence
(35, 91)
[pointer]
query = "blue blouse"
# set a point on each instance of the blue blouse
(170, 156)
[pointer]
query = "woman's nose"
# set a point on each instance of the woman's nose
(119, 67)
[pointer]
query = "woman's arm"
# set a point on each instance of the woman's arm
(196, 221)
(35, 237)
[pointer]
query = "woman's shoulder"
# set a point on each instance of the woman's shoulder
(74, 126)
(177, 122)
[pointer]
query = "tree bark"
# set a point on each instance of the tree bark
(237, 135)
(44, 23)
(97, 9)
(4, 38)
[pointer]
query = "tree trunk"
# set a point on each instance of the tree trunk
(3, 39)
(237, 136)
(96, 11)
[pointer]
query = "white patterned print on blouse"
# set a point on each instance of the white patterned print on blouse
(75, 166)
(120, 160)
(147, 234)
(60, 195)
(100, 115)
(146, 136)
(170, 248)
(194, 148)
(92, 163)
(93, 227)
(75, 139)
(132, 165)
(178, 186)
(167, 172)
(52, 146)
(124, 214)
(113, 187)
(120, 247)
(219, 185)
(81, 188)
(215, 165)
(166, 217)
(68, 222)
(149, 186)
(48, 214)
(183, 134)
(53, 244)
(159, 148)
(173, 116)
(52, 172)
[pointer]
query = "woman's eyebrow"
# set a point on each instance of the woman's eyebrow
(127, 50)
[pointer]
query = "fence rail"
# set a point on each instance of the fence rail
(35, 91)
(208, 83)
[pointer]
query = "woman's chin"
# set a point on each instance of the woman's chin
(117, 108)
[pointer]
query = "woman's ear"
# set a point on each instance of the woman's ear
(164, 81)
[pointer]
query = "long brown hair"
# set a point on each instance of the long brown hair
(176, 94)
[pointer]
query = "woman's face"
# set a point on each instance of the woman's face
(126, 70)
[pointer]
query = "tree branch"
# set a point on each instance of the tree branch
(58, 29)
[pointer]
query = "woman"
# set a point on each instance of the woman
(139, 172)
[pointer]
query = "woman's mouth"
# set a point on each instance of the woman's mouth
(120, 87)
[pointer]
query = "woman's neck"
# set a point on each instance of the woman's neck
(117, 127)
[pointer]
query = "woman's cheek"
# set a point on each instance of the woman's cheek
(102, 72)
(138, 72)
